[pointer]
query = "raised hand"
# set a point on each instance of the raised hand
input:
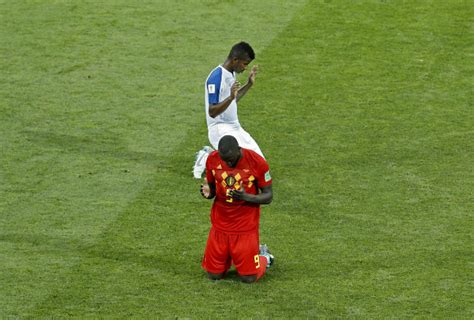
(253, 74)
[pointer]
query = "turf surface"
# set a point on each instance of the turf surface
(363, 109)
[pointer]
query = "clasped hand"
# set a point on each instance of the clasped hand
(239, 194)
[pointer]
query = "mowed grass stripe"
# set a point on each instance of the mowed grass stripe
(72, 161)
(76, 288)
(359, 228)
(370, 159)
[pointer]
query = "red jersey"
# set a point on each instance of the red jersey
(251, 172)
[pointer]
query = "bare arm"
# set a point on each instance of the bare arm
(217, 109)
(243, 90)
(264, 197)
(236, 92)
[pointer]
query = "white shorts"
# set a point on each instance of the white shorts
(217, 131)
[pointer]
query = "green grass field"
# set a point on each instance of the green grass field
(364, 110)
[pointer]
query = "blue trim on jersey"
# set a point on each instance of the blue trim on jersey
(215, 79)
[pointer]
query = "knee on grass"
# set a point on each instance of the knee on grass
(215, 276)
(244, 279)
(248, 279)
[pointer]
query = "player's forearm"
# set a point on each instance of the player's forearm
(217, 109)
(243, 90)
(261, 198)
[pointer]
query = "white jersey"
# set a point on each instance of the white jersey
(218, 85)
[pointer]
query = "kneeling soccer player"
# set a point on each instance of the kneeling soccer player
(240, 181)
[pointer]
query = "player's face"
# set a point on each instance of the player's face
(241, 65)
(231, 158)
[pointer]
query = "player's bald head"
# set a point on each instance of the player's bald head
(229, 150)
(228, 144)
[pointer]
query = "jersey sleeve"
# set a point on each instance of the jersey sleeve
(209, 168)
(213, 86)
(263, 173)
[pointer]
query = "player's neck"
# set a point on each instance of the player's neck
(228, 66)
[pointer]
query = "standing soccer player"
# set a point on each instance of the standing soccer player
(239, 180)
(222, 92)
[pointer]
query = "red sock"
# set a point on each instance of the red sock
(263, 267)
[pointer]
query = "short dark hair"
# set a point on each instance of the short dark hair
(242, 50)
(227, 144)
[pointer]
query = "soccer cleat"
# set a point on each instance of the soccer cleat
(264, 252)
(200, 164)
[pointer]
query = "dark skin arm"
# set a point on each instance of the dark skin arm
(208, 191)
(243, 90)
(217, 109)
(264, 197)
(236, 92)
